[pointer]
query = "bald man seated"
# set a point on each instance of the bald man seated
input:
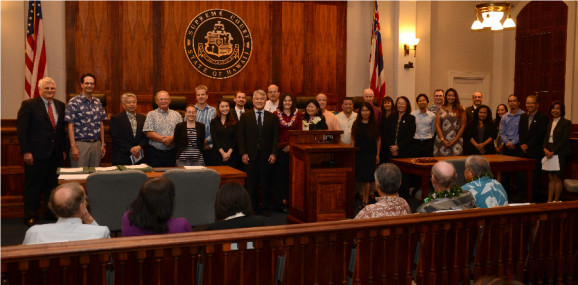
(447, 195)
(68, 202)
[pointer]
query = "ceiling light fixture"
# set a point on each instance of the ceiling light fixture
(492, 14)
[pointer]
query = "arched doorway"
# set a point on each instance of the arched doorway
(541, 52)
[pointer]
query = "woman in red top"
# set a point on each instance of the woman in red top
(289, 118)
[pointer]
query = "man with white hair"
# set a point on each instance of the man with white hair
(128, 139)
(368, 97)
(159, 127)
(447, 195)
(68, 202)
(487, 191)
(42, 139)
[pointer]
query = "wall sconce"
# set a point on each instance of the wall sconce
(408, 46)
(408, 65)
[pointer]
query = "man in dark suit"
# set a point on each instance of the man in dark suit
(257, 135)
(532, 129)
(128, 139)
(240, 101)
(476, 102)
(43, 146)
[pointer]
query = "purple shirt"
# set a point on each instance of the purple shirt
(176, 225)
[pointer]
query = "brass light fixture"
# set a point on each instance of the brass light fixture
(492, 14)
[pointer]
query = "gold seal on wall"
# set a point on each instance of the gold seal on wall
(218, 43)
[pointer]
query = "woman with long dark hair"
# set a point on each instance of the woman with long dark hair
(480, 134)
(451, 122)
(289, 118)
(313, 118)
(387, 108)
(365, 135)
(224, 134)
(151, 212)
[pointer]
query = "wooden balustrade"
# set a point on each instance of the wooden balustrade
(532, 244)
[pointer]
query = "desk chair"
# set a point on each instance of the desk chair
(195, 194)
(110, 194)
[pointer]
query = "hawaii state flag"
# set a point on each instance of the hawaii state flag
(377, 75)
(35, 50)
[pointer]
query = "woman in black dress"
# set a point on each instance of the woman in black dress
(365, 135)
(480, 134)
(224, 134)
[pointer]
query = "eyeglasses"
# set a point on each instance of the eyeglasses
(512, 101)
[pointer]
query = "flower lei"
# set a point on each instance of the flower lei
(313, 121)
(489, 175)
(282, 121)
(452, 192)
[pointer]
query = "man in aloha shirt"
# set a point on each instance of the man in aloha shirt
(443, 178)
(387, 182)
(487, 191)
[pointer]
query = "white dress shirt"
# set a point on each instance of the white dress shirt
(345, 124)
(65, 229)
(270, 106)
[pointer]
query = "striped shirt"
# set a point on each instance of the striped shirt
(192, 152)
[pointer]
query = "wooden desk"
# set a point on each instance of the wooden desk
(227, 173)
(498, 163)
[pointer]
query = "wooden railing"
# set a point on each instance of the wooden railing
(532, 244)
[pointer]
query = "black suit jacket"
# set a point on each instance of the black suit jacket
(534, 135)
(181, 139)
(470, 114)
(235, 112)
(561, 137)
(122, 138)
(490, 131)
(248, 138)
(35, 132)
(404, 135)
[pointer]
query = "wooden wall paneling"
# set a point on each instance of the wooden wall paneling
(324, 66)
(277, 43)
(341, 54)
(293, 38)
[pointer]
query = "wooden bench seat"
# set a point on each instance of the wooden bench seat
(533, 244)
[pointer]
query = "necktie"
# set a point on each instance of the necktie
(260, 122)
(132, 120)
(51, 114)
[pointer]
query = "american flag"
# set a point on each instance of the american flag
(377, 75)
(35, 50)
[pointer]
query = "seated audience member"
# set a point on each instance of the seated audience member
(189, 140)
(313, 119)
(224, 135)
(68, 203)
(387, 182)
(447, 195)
(330, 117)
(233, 209)
(425, 128)
(345, 118)
(150, 213)
(487, 191)
(480, 133)
(128, 139)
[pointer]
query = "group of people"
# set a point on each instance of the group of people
(445, 128)
(481, 190)
(256, 140)
(150, 213)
